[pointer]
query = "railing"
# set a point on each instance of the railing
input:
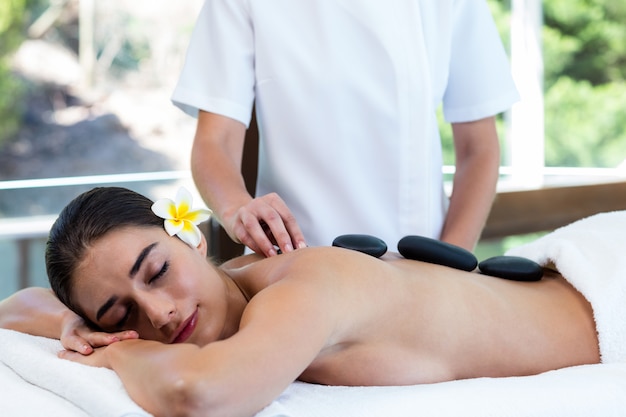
(25, 232)
(94, 180)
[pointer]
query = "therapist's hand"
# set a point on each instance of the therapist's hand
(264, 223)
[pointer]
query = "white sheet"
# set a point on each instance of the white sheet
(35, 383)
(585, 391)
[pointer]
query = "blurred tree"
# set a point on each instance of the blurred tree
(584, 48)
(585, 124)
(585, 82)
(11, 34)
(586, 40)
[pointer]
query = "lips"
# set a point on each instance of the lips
(186, 329)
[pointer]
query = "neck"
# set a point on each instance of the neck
(237, 302)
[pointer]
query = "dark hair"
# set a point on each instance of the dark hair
(85, 219)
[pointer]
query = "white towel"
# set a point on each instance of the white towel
(19, 398)
(591, 255)
(56, 385)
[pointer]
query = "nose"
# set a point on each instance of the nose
(159, 309)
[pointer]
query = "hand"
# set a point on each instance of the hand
(78, 337)
(97, 358)
(263, 223)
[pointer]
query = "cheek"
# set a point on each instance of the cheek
(188, 283)
(195, 279)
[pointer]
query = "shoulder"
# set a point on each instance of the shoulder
(326, 266)
(239, 262)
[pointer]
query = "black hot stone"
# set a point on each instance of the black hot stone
(370, 245)
(511, 267)
(434, 251)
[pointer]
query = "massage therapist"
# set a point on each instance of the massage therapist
(346, 94)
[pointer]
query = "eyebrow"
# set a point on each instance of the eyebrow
(105, 307)
(144, 253)
(133, 271)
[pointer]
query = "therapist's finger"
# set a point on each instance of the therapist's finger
(274, 228)
(280, 224)
(282, 229)
(266, 222)
(250, 232)
(288, 236)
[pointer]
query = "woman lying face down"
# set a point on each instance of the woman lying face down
(228, 340)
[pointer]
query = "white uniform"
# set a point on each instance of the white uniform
(346, 94)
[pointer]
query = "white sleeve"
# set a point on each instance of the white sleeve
(218, 74)
(480, 83)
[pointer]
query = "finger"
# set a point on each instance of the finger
(268, 232)
(237, 231)
(67, 354)
(283, 224)
(255, 237)
(77, 344)
(99, 339)
(73, 356)
(242, 236)
(292, 229)
(127, 334)
(276, 231)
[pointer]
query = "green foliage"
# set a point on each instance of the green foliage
(590, 39)
(585, 125)
(584, 49)
(11, 13)
(10, 24)
(584, 45)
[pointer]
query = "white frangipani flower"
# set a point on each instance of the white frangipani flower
(180, 220)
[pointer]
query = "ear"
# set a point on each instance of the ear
(203, 246)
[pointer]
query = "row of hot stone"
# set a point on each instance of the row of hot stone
(434, 251)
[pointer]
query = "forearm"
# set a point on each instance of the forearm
(470, 203)
(216, 163)
(35, 311)
(260, 223)
(475, 180)
(219, 181)
(173, 380)
(150, 385)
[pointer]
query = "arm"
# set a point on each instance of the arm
(477, 162)
(216, 166)
(37, 311)
(280, 336)
(34, 311)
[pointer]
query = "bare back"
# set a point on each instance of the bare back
(399, 322)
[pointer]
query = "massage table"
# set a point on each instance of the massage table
(589, 253)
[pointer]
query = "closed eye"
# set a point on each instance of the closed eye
(120, 324)
(161, 272)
